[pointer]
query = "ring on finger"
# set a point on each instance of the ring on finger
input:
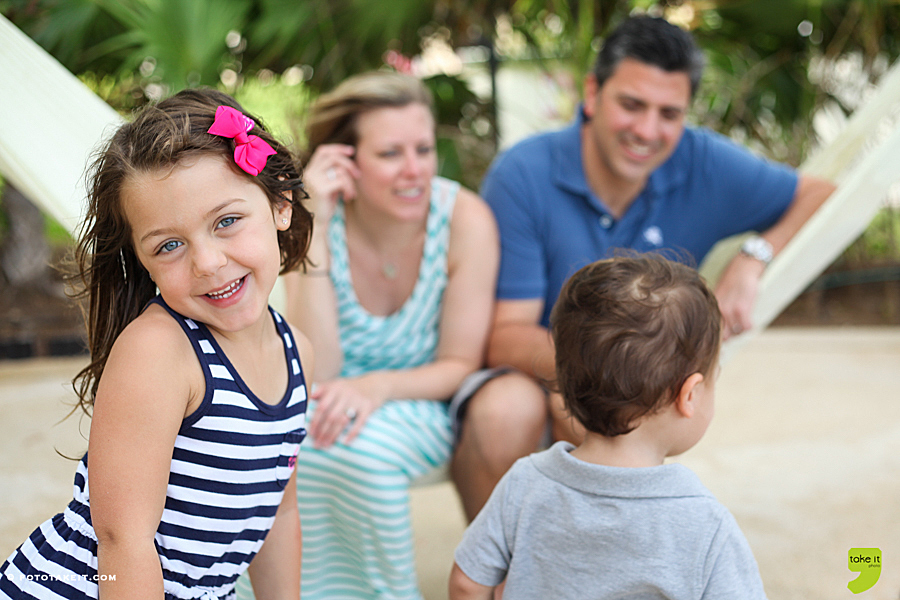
(350, 413)
(330, 174)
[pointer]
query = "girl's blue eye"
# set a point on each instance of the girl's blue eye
(169, 246)
(227, 222)
(425, 149)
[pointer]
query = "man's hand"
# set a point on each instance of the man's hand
(736, 293)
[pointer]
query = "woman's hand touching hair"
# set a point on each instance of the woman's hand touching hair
(330, 174)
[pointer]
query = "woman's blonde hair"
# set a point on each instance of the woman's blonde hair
(333, 116)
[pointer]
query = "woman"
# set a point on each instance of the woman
(398, 307)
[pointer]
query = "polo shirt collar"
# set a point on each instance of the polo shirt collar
(664, 481)
(568, 172)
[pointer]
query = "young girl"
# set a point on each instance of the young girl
(197, 397)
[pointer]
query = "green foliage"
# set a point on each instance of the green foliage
(122, 93)
(281, 105)
(771, 62)
(56, 235)
(761, 53)
(185, 39)
(465, 144)
(879, 244)
(69, 29)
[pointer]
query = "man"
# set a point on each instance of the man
(628, 174)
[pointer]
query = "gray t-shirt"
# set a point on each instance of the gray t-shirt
(558, 527)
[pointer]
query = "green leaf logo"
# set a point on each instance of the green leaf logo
(866, 562)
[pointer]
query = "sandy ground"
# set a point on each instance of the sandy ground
(804, 450)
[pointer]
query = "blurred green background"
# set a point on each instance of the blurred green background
(780, 72)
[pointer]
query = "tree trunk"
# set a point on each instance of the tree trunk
(25, 253)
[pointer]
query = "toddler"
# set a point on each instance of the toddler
(637, 342)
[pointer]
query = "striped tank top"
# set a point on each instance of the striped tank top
(231, 461)
(407, 338)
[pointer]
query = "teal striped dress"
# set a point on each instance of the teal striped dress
(354, 500)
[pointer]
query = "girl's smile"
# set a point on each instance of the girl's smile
(229, 292)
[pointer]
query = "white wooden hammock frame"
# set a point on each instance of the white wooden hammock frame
(50, 124)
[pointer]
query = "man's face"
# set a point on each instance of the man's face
(636, 120)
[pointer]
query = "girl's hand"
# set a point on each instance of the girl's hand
(338, 401)
(330, 174)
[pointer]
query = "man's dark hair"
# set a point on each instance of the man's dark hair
(653, 41)
(628, 332)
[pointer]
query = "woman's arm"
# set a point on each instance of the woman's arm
(151, 381)
(311, 301)
(312, 307)
(473, 258)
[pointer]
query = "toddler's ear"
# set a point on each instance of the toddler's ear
(685, 401)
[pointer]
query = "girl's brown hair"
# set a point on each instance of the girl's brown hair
(628, 332)
(110, 278)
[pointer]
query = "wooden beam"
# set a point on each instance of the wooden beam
(863, 181)
(51, 124)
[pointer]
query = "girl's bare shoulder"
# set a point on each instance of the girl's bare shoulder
(153, 352)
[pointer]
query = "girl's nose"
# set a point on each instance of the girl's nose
(207, 259)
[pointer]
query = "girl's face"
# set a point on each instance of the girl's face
(396, 157)
(208, 238)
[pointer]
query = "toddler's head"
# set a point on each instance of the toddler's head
(629, 331)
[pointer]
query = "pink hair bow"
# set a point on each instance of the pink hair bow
(250, 151)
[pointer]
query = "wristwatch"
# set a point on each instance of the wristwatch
(758, 248)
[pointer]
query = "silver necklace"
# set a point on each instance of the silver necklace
(389, 269)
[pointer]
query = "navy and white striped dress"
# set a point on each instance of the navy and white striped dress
(232, 459)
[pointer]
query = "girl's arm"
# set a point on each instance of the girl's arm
(148, 386)
(465, 319)
(275, 570)
(463, 588)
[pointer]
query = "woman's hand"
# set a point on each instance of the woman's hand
(343, 402)
(330, 174)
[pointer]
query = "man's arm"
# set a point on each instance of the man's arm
(518, 340)
(739, 283)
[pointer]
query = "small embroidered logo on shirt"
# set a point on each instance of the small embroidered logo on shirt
(654, 235)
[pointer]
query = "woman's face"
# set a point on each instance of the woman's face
(396, 157)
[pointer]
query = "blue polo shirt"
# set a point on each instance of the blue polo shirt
(551, 223)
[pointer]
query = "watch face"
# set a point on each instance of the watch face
(758, 248)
